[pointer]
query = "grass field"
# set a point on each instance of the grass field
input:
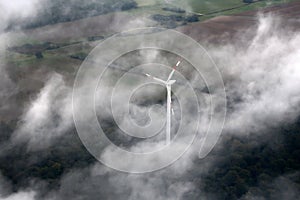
(213, 6)
(206, 6)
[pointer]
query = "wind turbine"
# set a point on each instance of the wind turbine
(168, 83)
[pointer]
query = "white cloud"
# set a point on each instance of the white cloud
(20, 196)
(262, 78)
(15, 9)
(48, 116)
(262, 81)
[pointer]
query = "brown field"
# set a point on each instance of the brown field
(226, 28)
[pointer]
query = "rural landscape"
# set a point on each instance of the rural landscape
(254, 44)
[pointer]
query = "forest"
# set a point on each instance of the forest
(244, 164)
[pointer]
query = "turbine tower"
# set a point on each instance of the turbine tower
(168, 83)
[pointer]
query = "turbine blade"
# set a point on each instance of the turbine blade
(171, 74)
(174, 69)
(173, 111)
(159, 80)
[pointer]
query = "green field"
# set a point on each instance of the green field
(213, 6)
(201, 6)
(206, 6)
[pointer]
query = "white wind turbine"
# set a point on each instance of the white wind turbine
(168, 83)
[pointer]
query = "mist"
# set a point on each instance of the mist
(47, 117)
(16, 10)
(255, 78)
(261, 76)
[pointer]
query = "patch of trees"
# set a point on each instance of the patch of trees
(39, 55)
(192, 18)
(175, 10)
(79, 56)
(56, 11)
(19, 166)
(252, 164)
(5, 132)
(250, 1)
(172, 21)
(128, 5)
(95, 38)
(243, 163)
(34, 49)
(161, 18)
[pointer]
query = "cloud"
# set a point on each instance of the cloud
(48, 116)
(6, 191)
(99, 182)
(261, 78)
(20, 196)
(261, 81)
(15, 10)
